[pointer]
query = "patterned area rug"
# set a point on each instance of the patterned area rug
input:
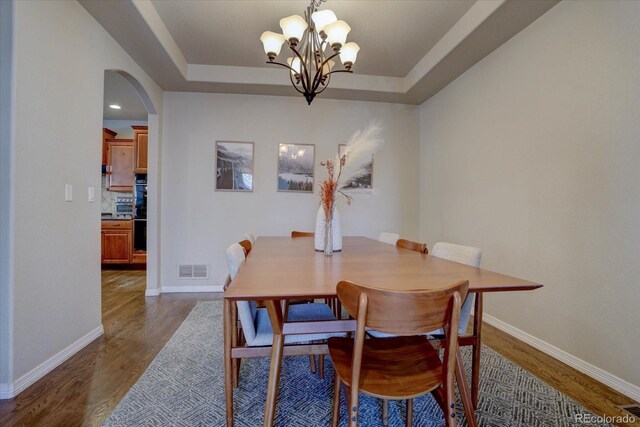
(184, 386)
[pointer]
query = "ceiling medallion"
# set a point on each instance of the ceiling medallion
(308, 38)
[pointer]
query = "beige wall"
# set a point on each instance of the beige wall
(533, 156)
(199, 222)
(61, 55)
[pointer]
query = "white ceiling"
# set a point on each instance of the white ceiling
(410, 50)
(117, 90)
(393, 35)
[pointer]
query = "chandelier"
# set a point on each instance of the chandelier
(309, 39)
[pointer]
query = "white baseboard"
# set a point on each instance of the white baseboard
(8, 391)
(607, 378)
(192, 288)
(152, 292)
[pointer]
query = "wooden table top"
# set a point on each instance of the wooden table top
(286, 268)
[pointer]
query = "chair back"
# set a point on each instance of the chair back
(459, 253)
(467, 255)
(412, 246)
(250, 237)
(390, 238)
(246, 245)
(302, 234)
(401, 312)
(235, 257)
(247, 310)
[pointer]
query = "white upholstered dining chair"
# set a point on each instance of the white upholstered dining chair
(390, 238)
(255, 322)
(250, 237)
(458, 253)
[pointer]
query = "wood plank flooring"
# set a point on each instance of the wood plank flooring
(85, 389)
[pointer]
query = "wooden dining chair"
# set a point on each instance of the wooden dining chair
(412, 246)
(403, 367)
(390, 238)
(333, 303)
(246, 245)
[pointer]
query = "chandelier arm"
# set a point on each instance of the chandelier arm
(339, 71)
(294, 84)
(305, 84)
(318, 77)
(282, 65)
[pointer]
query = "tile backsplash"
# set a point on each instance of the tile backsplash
(109, 197)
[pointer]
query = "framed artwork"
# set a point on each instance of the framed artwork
(234, 166)
(364, 182)
(295, 167)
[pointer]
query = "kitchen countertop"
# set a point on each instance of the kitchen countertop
(110, 217)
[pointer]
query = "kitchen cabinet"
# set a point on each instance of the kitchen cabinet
(120, 165)
(106, 134)
(140, 148)
(117, 242)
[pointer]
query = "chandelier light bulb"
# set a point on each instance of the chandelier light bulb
(348, 54)
(326, 68)
(323, 18)
(295, 64)
(337, 34)
(293, 28)
(272, 43)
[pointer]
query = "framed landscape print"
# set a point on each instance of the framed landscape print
(364, 182)
(295, 167)
(234, 166)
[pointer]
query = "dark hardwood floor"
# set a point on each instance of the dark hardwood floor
(86, 388)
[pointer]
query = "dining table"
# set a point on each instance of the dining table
(282, 269)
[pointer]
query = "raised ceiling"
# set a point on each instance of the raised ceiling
(393, 35)
(409, 49)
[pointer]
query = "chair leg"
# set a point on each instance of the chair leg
(353, 407)
(449, 408)
(437, 395)
(321, 366)
(385, 412)
(409, 421)
(336, 401)
(312, 363)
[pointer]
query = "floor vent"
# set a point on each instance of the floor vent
(193, 271)
(633, 409)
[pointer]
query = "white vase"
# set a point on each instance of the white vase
(336, 230)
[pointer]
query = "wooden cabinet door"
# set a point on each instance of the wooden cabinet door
(120, 165)
(116, 246)
(106, 134)
(140, 148)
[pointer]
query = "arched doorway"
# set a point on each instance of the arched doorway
(130, 193)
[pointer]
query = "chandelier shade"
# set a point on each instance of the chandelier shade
(322, 18)
(293, 27)
(337, 33)
(312, 64)
(349, 53)
(272, 43)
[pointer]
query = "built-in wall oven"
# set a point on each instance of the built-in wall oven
(140, 213)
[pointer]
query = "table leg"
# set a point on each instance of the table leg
(228, 368)
(477, 348)
(234, 342)
(275, 316)
(463, 388)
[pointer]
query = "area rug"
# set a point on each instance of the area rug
(184, 386)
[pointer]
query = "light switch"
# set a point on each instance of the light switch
(68, 193)
(92, 195)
